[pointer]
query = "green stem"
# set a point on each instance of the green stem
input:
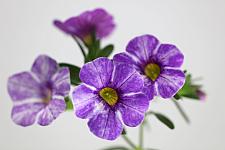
(80, 46)
(129, 141)
(141, 136)
(181, 111)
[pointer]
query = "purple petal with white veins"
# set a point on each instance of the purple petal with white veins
(25, 114)
(84, 101)
(142, 47)
(61, 82)
(97, 73)
(133, 108)
(133, 84)
(44, 67)
(170, 82)
(169, 55)
(149, 88)
(23, 86)
(122, 72)
(125, 58)
(51, 111)
(106, 125)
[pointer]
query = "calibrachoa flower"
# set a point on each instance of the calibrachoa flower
(159, 63)
(97, 22)
(38, 95)
(110, 90)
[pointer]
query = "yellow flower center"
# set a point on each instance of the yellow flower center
(152, 71)
(109, 95)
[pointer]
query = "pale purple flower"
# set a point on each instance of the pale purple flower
(98, 22)
(38, 95)
(110, 92)
(158, 63)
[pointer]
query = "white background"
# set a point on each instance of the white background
(197, 27)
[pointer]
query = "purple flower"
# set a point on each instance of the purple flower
(159, 63)
(38, 95)
(97, 22)
(110, 90)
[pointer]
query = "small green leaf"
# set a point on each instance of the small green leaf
(74, 73)
(105, 52)
(116, 148)
(69, 104)
(164, 120)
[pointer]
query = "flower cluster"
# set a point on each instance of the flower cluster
(109, 93)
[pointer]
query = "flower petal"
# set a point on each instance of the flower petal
(51, 111)
(133, 108)
(25, 114)
(169, 82)
(77, 26)
(97, 73)
(125, 58)
(104, 23)
(84, 101)
(149, 88)
(23, 85)
(44, 67)
(106, 125)
(122, 72)
(62, 27)
(169, 55)
(133, 84)
(142, 47)
(61, 82)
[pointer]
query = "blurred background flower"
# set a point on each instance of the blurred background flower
(39, 94)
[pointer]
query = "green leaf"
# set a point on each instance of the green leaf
(74, 73)
(116, 148)
(69, 104)
(164, 120)
(105, 52)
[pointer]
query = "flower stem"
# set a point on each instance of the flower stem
(129, 141)
(181, 111)
(141, 136)
(80, 46)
